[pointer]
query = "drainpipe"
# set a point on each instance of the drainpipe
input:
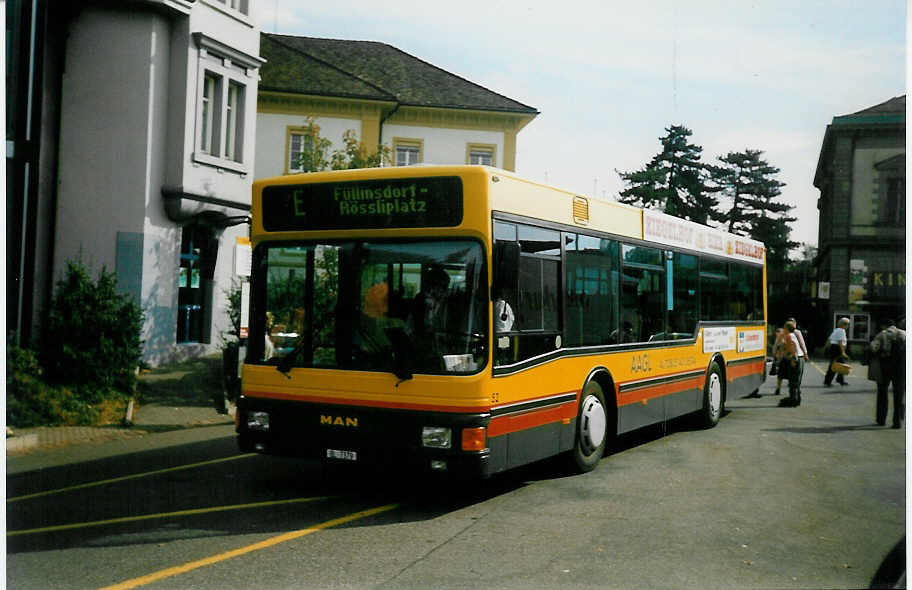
(185, 208)
(382, 121)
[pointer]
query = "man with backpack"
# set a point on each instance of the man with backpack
(888, 360)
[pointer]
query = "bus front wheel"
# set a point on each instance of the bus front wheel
(713, 396)
(591, 429)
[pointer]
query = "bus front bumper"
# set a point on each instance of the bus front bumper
(364, 437)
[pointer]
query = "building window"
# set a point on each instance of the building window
(298, 142)
(890, 198)
(408, 151)
(221, 116)
(895, 211)
(482, 154)
(239, 5)
(207, 126)
(222, 93)
(234, 124)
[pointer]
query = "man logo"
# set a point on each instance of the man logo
(338, 421)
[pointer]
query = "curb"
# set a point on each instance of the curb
(48, 438)
(17, 444)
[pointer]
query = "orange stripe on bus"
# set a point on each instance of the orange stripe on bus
(742, 370)
(530, 419)
(645, 394)
(313, 399)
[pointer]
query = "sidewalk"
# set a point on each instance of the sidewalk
(149, 419)
(176, 398)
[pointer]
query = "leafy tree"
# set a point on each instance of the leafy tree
(355, 154)
(674, 181)
(316, 154)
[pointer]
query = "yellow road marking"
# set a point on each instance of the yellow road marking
(187, 567)
(79, 525)
(126, 477)
(819, 370)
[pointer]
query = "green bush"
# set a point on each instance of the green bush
(92, 340)
(32, 402)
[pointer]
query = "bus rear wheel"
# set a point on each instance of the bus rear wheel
(591, 429)
(713, 396)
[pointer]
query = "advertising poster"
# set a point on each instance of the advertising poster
(718, 339)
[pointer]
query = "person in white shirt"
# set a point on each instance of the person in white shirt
(836, 346)
(503, 316)
(794, 358)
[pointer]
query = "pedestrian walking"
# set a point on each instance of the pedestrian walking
(803, 356)
(836, 351)
(888, 365)
(778, 353)
(793, 359)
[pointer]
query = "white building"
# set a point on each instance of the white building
(147, 122)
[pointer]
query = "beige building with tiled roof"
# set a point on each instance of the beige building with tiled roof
(422, 113)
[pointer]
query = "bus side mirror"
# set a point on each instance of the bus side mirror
(506, 266)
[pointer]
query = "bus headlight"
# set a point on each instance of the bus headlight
(438, 437)
(258, 421)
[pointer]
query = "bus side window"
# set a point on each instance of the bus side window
(642, 293)
(682, 315)
(506, 266)
(526, 277)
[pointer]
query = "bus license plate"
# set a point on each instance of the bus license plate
(344, 455)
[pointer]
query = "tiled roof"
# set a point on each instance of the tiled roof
(892, 111)
(288, 69)
(371, 70)
(892, 106)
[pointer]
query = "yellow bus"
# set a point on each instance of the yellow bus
(462, 319)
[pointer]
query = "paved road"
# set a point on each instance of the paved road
(809, 497)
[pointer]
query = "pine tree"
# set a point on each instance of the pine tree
(674, 181)
(747, 181)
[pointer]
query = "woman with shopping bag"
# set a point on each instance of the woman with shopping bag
(836, 346)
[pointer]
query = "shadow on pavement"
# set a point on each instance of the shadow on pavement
(892, 572)
(830, 429)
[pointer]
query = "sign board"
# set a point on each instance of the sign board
(666, 229)
(243, 257)
(245, 309)
(718, 339)
(750, 340)
(434, 201)
(823, 289)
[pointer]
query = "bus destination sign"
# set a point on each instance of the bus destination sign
(370, 204)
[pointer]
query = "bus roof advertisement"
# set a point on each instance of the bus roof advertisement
(662, 228)
(369, 204)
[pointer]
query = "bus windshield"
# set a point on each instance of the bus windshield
(415, 306)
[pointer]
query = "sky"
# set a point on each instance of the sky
(609, 77)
